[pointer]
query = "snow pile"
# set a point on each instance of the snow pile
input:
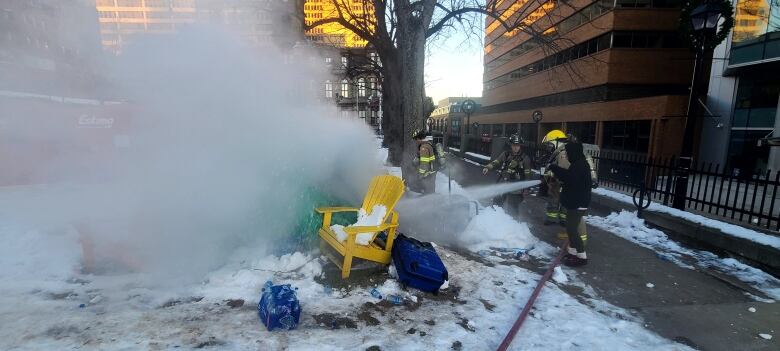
(628, 226)
(559, 276)
(493, 227)
(375, 218)
(35, 259)
(727, 228)
(244, 278)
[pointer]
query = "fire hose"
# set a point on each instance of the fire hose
(530, 303)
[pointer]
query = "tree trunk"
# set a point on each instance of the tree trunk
(404, 87)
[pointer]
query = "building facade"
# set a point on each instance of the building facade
(334, 34)
(448, 121)
(353, 82)
(744, 92)
(612, 72)
(257, 22)
(47, 47)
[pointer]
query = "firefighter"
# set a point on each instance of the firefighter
(512, 165)
(425, 162)
(575, 197)
(554, 141)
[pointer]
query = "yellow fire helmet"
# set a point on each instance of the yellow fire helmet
(554, 135)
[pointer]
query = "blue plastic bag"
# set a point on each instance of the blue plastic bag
(279, 307)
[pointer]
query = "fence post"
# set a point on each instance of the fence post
(669, 178)
(681, 172)
(640, 204)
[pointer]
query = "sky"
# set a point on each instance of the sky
(454, 66)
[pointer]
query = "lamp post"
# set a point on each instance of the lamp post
(537, 117)
(704, 20)
(468, 107)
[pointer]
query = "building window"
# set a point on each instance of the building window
(128, 3)
(375, 59)
(630, 136)
(372, 84)
(345, 88)
(362, 87)
(528, 132)
(510, 128)
(362, 114)
(328, 60)
(584, 132)
(344, 61)
(484, 130)
(498, 130)
(755, 35)
(328, 89)
(754, 118)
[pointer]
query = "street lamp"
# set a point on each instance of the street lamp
(704, 20)
(706, 16)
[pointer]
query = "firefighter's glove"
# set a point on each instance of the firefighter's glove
(512, 164)
(485, 171)
(594, 184)
(416, 161)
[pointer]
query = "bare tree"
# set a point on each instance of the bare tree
(399, 29)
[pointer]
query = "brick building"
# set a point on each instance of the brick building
(616, 74)
(258, 22)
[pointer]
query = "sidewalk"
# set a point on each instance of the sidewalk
(701, 309)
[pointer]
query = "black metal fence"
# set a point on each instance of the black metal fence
(747, 198)
(752, 199)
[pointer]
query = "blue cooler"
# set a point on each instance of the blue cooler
(279, 307)
(418, 265)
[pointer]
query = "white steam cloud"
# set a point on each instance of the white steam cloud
(221, 143)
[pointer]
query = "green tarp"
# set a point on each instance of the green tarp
(304, 234)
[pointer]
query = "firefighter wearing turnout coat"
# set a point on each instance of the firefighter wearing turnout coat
(575, 198)
(511, 165)
(425, 163)
(555, 141)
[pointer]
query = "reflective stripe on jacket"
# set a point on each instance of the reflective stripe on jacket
(426, 166)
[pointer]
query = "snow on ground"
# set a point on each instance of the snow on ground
(475, 312)
(479, 156)
(727, 228)
(46, 303)
(628, 226)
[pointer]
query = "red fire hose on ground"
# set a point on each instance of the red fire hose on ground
(530, 303)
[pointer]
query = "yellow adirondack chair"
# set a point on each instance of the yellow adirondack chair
(384, 190)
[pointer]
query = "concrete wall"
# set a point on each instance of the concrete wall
(720, 100)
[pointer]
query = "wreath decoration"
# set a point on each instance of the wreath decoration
(696, 41)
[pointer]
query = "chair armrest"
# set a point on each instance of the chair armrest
(369, 229)
(336, 209)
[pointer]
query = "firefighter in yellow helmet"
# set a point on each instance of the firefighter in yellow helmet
(554, 142)
(425, 163)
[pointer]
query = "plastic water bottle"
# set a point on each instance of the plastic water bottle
(375, 293)
(395, 299)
